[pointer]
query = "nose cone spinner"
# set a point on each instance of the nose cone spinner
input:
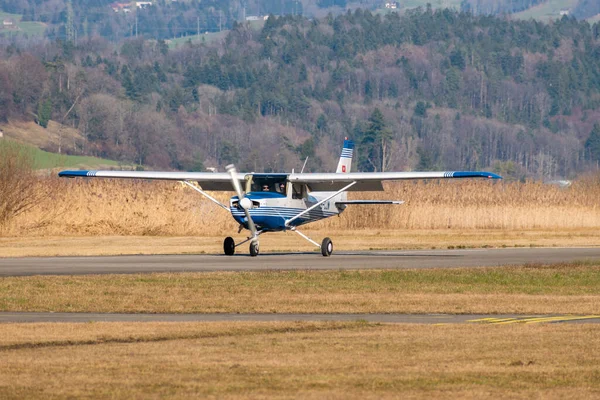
(246, 203)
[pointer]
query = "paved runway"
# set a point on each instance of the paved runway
(273, 261)
(375, 318)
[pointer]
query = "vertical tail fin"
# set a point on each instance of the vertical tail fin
(346, 158)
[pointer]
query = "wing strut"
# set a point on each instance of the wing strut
(203, 193)
(287, 223)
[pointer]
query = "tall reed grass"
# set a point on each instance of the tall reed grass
(106, 207)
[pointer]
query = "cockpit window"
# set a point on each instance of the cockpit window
(269, 185)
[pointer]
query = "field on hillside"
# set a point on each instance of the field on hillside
(595, 19)
(144, 208)
(548, 10)
(47, 160)
(29, 28)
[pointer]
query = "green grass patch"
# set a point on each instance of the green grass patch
(204, 38)
(594, 19)
(559, 288)
(47, 160)
(547, 10)
(434, 3)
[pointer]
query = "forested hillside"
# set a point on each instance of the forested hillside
(429, 89)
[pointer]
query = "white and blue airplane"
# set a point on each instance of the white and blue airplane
(274, 202)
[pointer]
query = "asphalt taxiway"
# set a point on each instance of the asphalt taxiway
(276, 261)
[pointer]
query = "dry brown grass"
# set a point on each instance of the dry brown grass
(298, 360)
(46, 138)
(562, 288)
(41, 246)
(101, 207)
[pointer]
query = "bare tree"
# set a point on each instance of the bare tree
(20, 189)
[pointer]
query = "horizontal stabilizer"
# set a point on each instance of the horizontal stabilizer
(369, 202)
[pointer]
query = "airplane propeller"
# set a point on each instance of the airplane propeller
(244, 202)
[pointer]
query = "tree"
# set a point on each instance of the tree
(6, 97)
(375, 144)
(592, 144)
(44, 112)
(421, 109)
(20, 187)
(28, 76)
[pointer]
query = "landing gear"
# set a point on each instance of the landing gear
(229, 246)
(254, 249)
(326, 247)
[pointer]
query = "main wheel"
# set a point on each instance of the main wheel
(229, 246)
(253, 249)
(326, 247)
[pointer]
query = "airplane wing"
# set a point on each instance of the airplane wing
(372, 181)
(321, 182)
(213, 181)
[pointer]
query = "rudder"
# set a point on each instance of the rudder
(345, 162)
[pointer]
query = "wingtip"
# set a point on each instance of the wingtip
(72, 174)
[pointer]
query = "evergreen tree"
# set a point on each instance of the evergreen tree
(44, 112)
(375, 143)
(592, 145)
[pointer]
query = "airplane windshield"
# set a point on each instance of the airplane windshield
(269, 185)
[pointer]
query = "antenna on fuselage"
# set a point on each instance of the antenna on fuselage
(304, 165)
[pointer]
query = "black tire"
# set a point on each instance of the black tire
(326, 247)
(253, 249)
(229, 246)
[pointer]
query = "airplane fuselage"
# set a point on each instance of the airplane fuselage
(270, 211)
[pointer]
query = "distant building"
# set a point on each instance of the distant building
(257, 17)
(391, 4)
(565, 12)
(121, 7)
(8, 23)
(143, 4)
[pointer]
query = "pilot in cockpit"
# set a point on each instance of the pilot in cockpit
(265, 188)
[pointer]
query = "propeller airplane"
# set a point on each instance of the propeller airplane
(275, 202)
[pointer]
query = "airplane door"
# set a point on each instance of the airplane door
(298, 195)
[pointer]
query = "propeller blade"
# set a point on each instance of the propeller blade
(234, 180)
(238, 189)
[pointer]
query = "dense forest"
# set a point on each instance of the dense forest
(426, 90)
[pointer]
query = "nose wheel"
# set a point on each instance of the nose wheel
(229, 246)
(254, 249)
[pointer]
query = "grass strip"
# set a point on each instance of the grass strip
(306, 360)
(556, 288)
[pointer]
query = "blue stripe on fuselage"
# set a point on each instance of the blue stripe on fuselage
(273, 218)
